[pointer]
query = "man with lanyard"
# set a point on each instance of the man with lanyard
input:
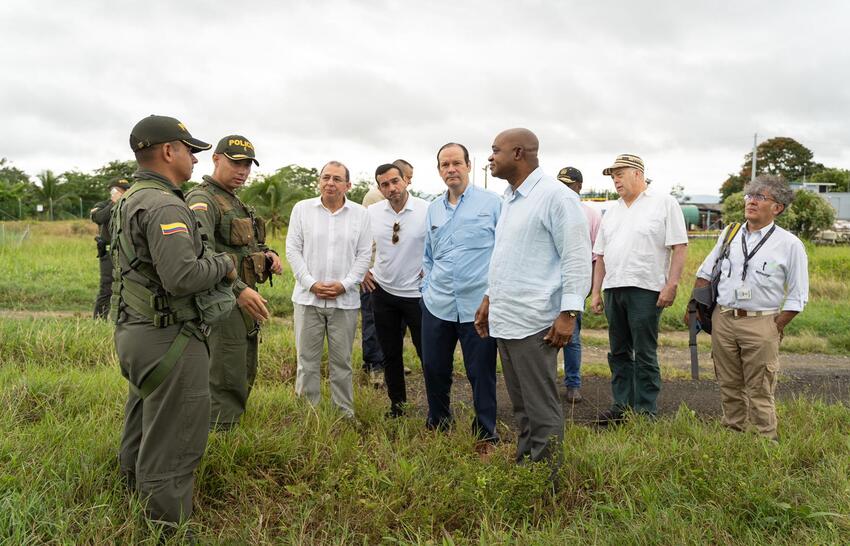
(461, 230)
(228, 225)
(764, 283)
(398, 230)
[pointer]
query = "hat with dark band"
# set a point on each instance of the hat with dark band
(119, 183)
(625, 160)
(570, 175)
(158, 129)
(236, 147)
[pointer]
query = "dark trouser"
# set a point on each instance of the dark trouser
(633, 336)
(373, 357)
(530, 367)
(104, 293)
(389, 312)
(233, 368)
(165, 434)
(439, 339)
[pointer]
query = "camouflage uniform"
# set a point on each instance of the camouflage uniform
(228, 225)
(160, 268)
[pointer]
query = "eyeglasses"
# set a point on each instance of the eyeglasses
(396, 229)
(757, 197)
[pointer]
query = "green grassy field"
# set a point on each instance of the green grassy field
(55, 268)
(294, 475)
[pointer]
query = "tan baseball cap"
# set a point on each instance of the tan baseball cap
(624, 160)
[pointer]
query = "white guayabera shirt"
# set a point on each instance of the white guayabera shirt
(322, 246)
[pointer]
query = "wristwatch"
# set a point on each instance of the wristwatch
(573, 314)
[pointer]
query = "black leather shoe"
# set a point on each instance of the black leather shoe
(610, 417)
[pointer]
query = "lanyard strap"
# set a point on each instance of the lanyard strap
(748, 257)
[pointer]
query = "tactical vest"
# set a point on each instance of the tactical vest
(238, 232)
(161, 308)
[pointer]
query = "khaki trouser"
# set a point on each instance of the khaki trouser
(312, 324)
(745, 351)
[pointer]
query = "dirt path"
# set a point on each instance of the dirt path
(814, 375)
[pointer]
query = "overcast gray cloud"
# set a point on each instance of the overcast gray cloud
(684, 84)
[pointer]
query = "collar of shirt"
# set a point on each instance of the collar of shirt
(156, 177)
(408, 205)
(445, 197)
(217, 184)
(648, 192)
(346, 204)
(527, 185)
(760, 232)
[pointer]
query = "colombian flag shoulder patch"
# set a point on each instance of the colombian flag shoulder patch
(171, 229)
(199, 206)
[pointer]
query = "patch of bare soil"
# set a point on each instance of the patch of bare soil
(822, 377)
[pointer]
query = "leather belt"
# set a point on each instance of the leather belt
(745, 313)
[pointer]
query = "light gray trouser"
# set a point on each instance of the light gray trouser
(312, 324)
(530, 368)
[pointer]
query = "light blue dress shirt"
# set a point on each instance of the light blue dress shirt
(458, 244)
(541, 263)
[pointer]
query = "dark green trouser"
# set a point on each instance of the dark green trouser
(233, 368)
(104, 293)
(633, 336)
(165, 434)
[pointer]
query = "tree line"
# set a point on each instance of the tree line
(72, 194)
(787, 158)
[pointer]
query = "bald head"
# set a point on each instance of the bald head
(514, 155)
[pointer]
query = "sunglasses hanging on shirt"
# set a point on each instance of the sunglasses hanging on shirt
(396, 229)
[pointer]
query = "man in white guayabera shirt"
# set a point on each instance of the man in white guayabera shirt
(328, 246)
(398, 229)
(538, 278)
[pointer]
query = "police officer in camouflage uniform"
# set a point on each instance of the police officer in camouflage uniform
(164, 281)
(100, 215)
(230, 226)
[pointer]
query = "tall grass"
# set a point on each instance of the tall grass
(291, 474)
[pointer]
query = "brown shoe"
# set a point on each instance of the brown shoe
(485, 450)
(573, 395)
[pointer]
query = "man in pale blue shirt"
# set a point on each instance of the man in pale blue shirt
(538, 278)
(461, 228)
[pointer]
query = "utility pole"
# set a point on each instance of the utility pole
(486, 170)
(81, 207)
(755, 147)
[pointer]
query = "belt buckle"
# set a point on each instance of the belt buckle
(204, 328)
(161, 320)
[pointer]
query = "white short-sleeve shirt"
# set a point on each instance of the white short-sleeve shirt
(635, 241)
(398, 267)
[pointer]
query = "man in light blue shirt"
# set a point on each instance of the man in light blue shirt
(538, 278)
(461, 228)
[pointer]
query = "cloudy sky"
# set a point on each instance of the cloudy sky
(683, 84)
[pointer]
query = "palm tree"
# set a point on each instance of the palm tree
(274, 196)
(52, 190)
